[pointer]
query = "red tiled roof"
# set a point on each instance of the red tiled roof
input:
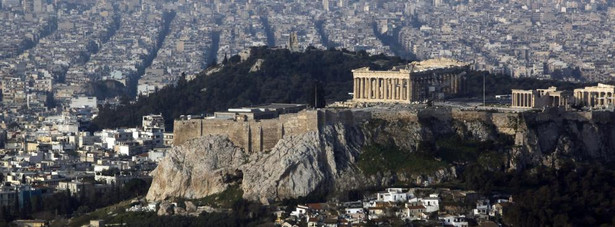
(315, 206)
(416, 207)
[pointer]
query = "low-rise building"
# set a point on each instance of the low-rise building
(413, 211)
(483, 208)
(431, 203)
(456, 221)
(394, 195)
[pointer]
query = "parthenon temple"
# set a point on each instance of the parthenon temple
(418, 81)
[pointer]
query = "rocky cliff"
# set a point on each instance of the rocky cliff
(200, 167)
(333, 160)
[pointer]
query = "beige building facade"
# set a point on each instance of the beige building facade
(595, 96)
(540, 98)
(419, 81)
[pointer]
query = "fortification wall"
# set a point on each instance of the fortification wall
(262, 135)
(236, 131)
(506, 123)
(184, 130)
(395, 115)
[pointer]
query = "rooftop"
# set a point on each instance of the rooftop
(436, 63)
(269, 107)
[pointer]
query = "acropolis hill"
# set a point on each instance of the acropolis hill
(295, 154)
(280, 151)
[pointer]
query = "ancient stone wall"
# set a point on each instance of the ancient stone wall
(184, 130)
(263, 135)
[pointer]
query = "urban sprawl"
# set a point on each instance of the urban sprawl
(51, 51)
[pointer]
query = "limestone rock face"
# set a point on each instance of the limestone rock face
(196, 169)
(300, 165)
(190, 207)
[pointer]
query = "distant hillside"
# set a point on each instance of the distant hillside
(284, 76)
(105, 89)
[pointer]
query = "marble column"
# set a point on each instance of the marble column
(372, 85)
(395, 92)
(380, 90)
(385, 87)
(369, 88)
(377, 88)
(381, 87)
(390, 83)
(354, 88)
(408, 89)
(390, 89)
(403, 89)
(362, 88)
(455, 81)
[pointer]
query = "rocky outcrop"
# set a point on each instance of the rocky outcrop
(165, 208)
(324, 162)
(200, 167)
(300, 165)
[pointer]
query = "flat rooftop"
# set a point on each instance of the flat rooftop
(269, 107)
(276, 106)
(420, 66)
(436, 63)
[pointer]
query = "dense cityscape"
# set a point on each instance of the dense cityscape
(62, 61)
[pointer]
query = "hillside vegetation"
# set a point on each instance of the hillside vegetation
(285, 77)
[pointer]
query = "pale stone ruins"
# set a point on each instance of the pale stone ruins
(595, 96)
(600, 96)
(540, 98)
(419, 81)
